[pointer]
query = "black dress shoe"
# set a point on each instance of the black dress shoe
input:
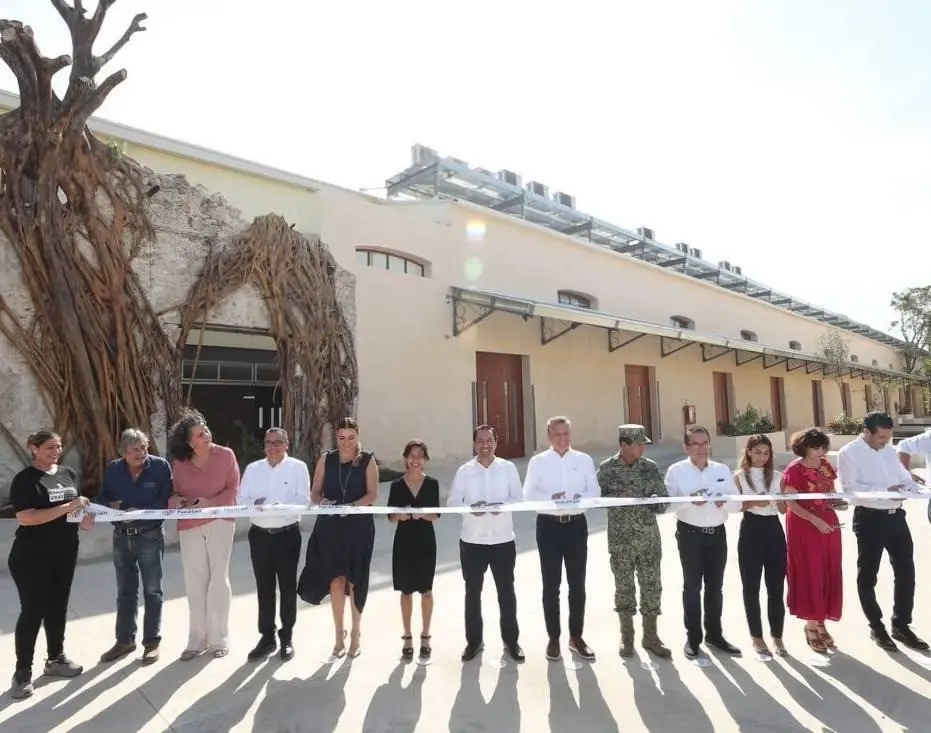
(724, 645)
(907, 637)
(287, 651)
(690, 651)
(882, 639)
(471, 651)
(517, 654)
(263, 649)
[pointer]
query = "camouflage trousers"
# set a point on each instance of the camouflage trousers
(638, 554)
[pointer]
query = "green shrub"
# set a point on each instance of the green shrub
(845, 425)
(749, 421)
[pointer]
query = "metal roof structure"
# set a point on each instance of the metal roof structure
(433, 176)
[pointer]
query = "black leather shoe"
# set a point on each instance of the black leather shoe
(264, 649)
(881, 637)
(690, 651)
(907, 637)
(471, 651)
(517, 654)
(287, 651)
(724, 645)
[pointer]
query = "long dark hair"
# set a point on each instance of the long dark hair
(179, 434)
(746, 462)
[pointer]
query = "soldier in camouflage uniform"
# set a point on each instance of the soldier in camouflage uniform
(634, 542)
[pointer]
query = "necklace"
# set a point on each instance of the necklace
(343, 485)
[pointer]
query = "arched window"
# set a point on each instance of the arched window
(576, 300)
(391, 261)
(682, 322)
(795, 346)
(854, 358)
(748, 335)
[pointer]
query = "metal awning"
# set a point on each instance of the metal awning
(473, 306)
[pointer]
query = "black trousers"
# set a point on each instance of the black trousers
(878, 530)
(475, 560)
(275, 557)
(761, 551)
(43, 577)
(563, 540)
(703, 554)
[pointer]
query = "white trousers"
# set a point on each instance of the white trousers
(205, 558)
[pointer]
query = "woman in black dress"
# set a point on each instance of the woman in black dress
(43, 557)
(339, 551)
(413, 562)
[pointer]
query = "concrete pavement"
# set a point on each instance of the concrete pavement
(862, 689)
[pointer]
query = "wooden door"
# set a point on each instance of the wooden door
(817, 403)
(639, 396)
(500, 396)
(868, 396)
(846, 401)
(722, 401)
(776, 397)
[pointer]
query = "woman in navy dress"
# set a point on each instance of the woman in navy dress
(339, 552)
(413, 561)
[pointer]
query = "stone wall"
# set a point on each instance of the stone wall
(187, 219)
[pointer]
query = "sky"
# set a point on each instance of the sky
(792, 138)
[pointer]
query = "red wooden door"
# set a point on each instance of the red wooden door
(722, 401)
(500, 395)
(639, 397)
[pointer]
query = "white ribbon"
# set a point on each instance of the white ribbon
(106, 514)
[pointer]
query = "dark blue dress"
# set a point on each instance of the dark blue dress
(340, 546)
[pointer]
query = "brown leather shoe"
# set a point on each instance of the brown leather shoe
(117, 651)
(149, 654)
(578, 647)
(553, 653)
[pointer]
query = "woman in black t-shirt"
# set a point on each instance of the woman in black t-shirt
(43, 557)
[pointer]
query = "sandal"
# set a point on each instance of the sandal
(779, 647)
(354, 649)
(339, 650)
(826, 638)
(407, 651)
(813, 637)
(425, 649)
(759, 646)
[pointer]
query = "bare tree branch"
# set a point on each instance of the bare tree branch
(135, 27)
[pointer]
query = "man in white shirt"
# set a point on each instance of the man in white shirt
(487, 539)
(702, 539)
(275, 540)
(870, 464)
(562, 535)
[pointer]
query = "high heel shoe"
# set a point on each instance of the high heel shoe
(339, 650)
(407, 651)
(813, 637)
(425, 649)
(354, 648)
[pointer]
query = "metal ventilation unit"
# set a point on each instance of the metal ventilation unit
(645, 232)
(537, 188)
(565, 199)
(422, 155)
(509, 177)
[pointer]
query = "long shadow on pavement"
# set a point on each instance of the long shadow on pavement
(591, 713)
(664, 702)
(395, 707)
(471, 714)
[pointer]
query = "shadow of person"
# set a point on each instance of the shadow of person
(820, 698)
(143, 701)
(896, 701)
(313, 705)
(470, 712)
(747, 702)
(664, 702)
(395, 707)
(46, 711)
(591, 713)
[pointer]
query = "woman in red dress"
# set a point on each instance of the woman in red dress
(813, 539)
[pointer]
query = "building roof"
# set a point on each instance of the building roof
(559, 319)
(433, 176)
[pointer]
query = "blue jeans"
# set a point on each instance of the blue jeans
(135, 555)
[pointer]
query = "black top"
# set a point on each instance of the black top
(35, 489)
(345, 483)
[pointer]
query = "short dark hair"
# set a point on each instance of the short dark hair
(811, 439)
(41, 437)
(480, 428)
(694, 430)
(878, 421)
(415, 444)
(180, 433)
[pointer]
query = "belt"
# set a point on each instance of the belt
(685, 527)
(275, 530)
(562, 518)
(134, 531)
(879, 511)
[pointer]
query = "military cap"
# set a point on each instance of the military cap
(633, 433)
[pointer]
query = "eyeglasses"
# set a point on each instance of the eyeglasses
(276, 442)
